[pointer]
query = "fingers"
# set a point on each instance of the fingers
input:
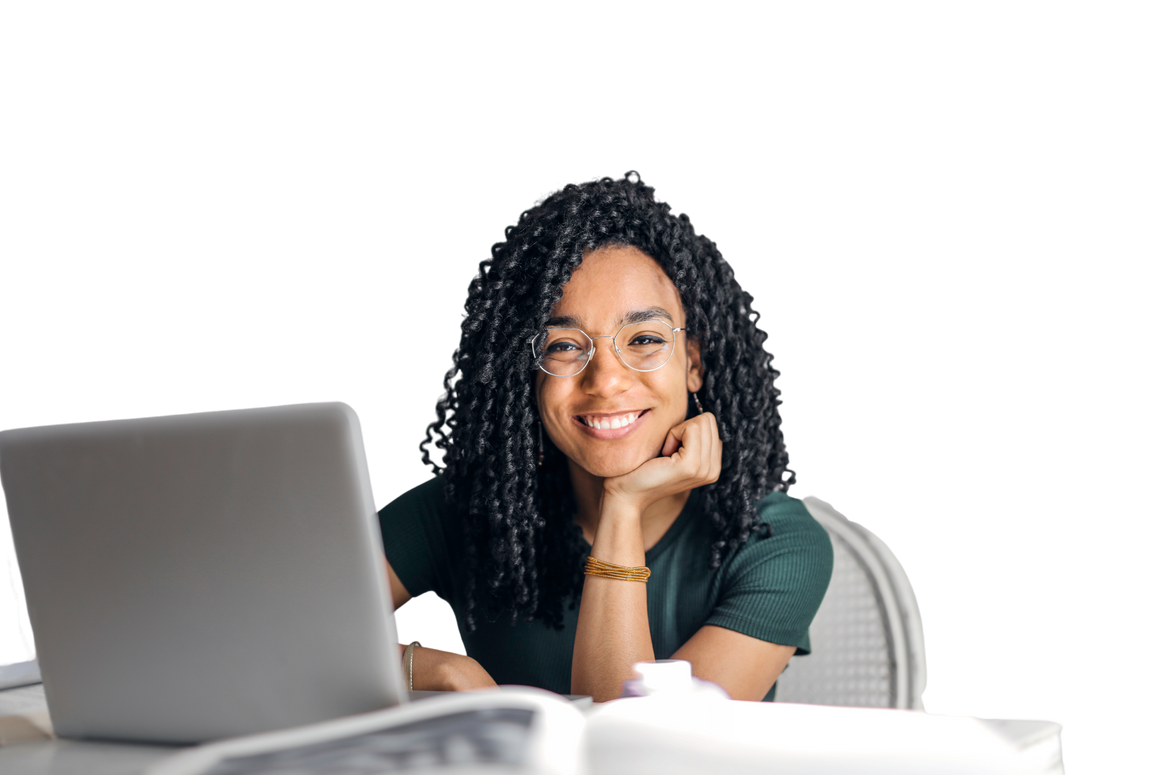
(697, 448)
(712, 454)
(712, 449)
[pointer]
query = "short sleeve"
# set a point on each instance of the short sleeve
(415, 540)
(773, 586)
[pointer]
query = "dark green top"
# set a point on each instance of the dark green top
(769, 588)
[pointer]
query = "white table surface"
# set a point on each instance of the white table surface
(625, 736)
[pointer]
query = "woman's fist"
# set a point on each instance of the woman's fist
(691, 457)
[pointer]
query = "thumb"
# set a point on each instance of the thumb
(672, 443)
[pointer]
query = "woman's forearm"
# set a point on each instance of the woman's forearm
(434, 670)
(429, 668)
(613, 628)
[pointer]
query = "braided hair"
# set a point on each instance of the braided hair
(524, 552)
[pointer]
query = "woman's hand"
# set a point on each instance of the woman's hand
(691, 457)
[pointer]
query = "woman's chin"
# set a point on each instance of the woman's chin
(619, 465)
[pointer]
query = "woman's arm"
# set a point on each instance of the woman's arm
(745, 667)
(442, 671)
(613, 629)
(434, 670)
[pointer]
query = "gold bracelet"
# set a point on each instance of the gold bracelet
(607, 570)
(407, 661)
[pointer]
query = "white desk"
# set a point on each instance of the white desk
(636, 737)
(65, 757)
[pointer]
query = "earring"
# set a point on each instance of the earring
(540, 444)
(698, 403)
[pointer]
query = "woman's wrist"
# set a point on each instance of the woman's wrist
(620, 507)
(434, 669)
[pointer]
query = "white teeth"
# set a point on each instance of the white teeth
(611, 423)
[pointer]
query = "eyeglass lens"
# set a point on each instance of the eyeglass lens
(643, 346)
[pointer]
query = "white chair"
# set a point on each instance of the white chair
(867, 644)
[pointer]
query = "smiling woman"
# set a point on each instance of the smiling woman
(613, 392)
(613, 488)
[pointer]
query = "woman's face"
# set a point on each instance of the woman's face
(611, 284)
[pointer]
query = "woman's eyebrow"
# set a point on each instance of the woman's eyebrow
(637, 316)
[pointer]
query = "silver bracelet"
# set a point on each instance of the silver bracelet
(407, 661)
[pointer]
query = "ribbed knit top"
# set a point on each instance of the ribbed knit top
(769, 588)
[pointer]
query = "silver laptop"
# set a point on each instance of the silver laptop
(201, 576)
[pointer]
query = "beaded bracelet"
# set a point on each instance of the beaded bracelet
(607, 570)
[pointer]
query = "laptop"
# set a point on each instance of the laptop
(202, 576)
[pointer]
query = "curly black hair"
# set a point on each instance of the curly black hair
(525, 553)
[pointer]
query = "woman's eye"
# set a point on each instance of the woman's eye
(646, 339)
(561, 347)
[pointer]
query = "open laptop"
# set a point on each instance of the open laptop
(202, 576)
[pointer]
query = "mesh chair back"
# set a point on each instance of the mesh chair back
(867, 644)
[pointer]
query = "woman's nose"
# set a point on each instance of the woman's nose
(604, 358)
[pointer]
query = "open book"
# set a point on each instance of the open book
(518, 729)
(512, 729)
(530, 731)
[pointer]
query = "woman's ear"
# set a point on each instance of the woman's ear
(693, 364)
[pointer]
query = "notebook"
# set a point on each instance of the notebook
(202, 576)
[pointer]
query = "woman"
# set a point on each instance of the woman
(610, 408)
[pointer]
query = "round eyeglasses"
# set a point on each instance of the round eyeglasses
(642, 346)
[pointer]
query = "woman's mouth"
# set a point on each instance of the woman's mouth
(610, 425)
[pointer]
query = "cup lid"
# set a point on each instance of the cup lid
(665, 675)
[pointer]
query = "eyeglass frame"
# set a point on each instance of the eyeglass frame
(539, 360)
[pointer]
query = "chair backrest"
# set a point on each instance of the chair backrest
(867, 644)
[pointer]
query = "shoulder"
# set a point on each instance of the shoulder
(797, 547)
(789, 516)
(778, 503)
(427, 498)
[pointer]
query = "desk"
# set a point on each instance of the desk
(26, 750)
(626, 737)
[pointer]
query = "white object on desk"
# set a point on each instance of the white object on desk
(19, 674)
(665, 675)
(511, 728)
(670, 677)
(689, 737)
(641, 736)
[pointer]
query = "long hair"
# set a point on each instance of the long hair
(524, 552)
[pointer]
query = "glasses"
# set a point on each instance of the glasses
(643, 346)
